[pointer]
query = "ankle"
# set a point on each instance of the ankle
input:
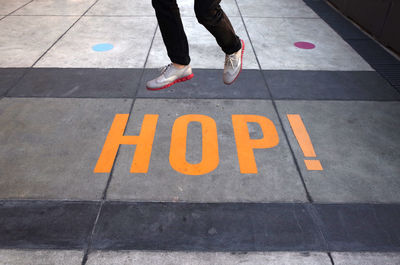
(179, 66)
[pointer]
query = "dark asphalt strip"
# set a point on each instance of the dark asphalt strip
(349, 227)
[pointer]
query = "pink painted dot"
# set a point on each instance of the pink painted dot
(304, 45)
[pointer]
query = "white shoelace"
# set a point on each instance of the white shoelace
(165, 68)
(230, 60)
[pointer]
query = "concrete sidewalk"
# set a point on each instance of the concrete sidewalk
(298, 162)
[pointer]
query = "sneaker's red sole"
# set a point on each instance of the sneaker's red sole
(183, 79)
(241, 65)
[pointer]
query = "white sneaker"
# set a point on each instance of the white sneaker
(169, 76)
(233, 65)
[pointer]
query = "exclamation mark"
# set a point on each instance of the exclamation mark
(304, 141)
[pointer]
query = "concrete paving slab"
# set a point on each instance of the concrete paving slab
(21, 48)
(6, 6)
(25, 257)
(122, 8)
(78, 82)
(207, 83)
(186, 8)
(206, 227)
(366, 258)
(344, 85)
(55, 8)
(273, 40)
(8, 78)
(362, 227)
(271, 8)
(207, 258)
(130, 36)
(46, 224)
(50, 146)
(276, 181)
(358, 145)
(204, 50)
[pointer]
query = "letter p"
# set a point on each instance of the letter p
(245, 144)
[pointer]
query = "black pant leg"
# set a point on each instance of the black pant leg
(169, 20)
(210, 14)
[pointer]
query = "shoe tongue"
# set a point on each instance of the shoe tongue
(231, 61)
(168, 70)
(165, 75)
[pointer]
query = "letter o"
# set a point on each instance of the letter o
(210, 155)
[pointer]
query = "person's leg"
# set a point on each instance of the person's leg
(210, 14)
(169, 20)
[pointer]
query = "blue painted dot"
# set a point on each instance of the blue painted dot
(102, 47)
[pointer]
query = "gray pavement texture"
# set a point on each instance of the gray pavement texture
(75, 83)
(50, 146)
(361, 227)
(358, 144)
(124, 83)
(8, 7)
(366, 258)
(75, 48)
(65, 257)
(55, 8)
(20, 48)
(333, 85)
(274, 53)
(187, 258)
(8, 78)
(207, 227)
(27, 224)
(43, 257)
(54, 224)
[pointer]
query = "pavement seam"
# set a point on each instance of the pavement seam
(104, 196)
(28, 69)
(308, 195)
(331, 258)
(62, 35)
(16, 82)
(9, 14)
(318, 223)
